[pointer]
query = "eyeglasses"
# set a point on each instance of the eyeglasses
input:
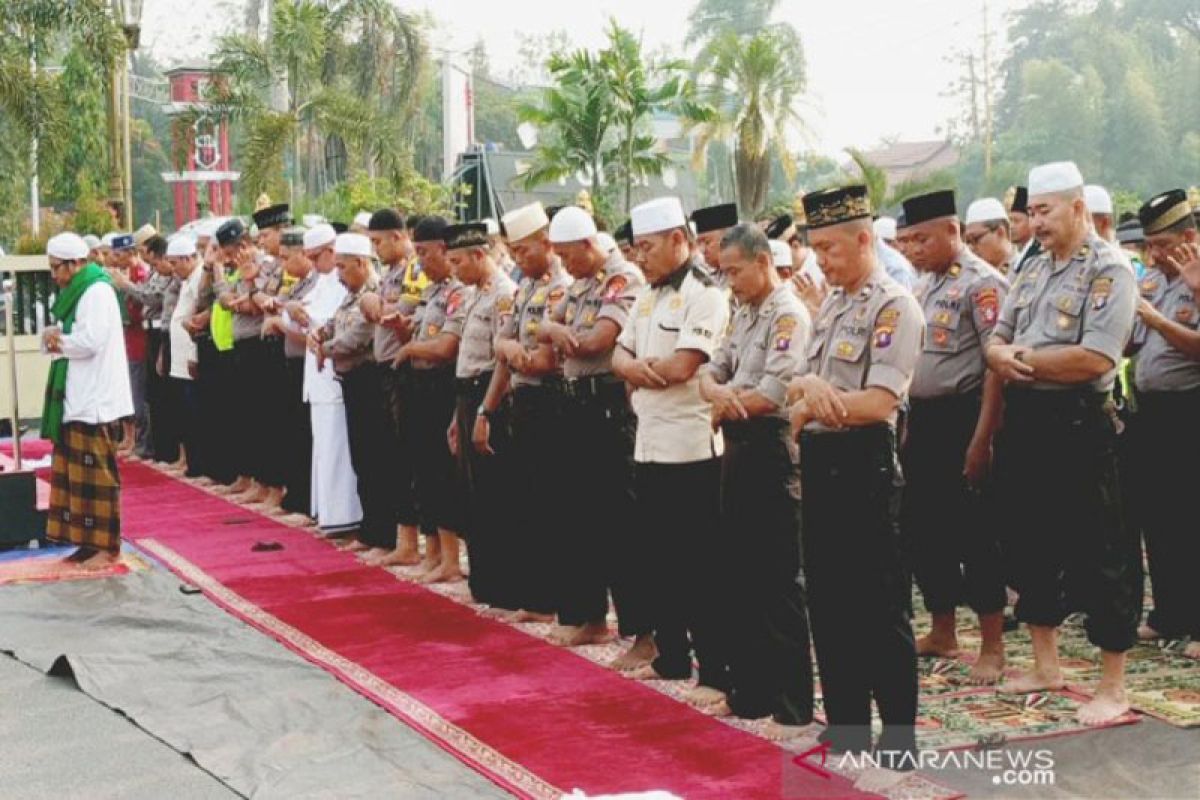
(974, 240)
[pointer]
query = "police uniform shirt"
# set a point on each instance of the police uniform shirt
(149, 295)
(1160, 367)
(438, 302)
(1088, 301)
(294, 293)
(397, 286)
(609, 294)
(685, 312)
(534, 297)
(962, 306)
(268, 281)
(348, 335)
(476, 320)
(766, 347)
(170, 299)
(871, 339)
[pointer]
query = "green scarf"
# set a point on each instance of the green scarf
(63, 310)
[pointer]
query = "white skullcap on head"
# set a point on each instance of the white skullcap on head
(143, 233)
(353, 244)
(571, 224)
(493, 227)
(657, 215)
(107, 239)
(781, 254)
(312, 220)
(607, 243)
(986, 209)
(1097, 199)
(1059, 176)
(67, 247)
(207, 228)
(885, 227)
(319, 236)
(181, 245)
(362, 219)
(92, 241)
(525, 221)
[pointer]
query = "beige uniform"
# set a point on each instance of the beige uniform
(476, 320)
(609, 294)
(348, 336)
(438, 302)
(534, 298)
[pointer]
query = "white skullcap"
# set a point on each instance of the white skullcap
(181, 245)
(319, 236)
(363, 219)
(1059, 176)
(571, 224)
(493, 227)
(781, 254)
(207, 228)
(312, 220)
(107, 239)
(91, 241)
(67, 247)
(143, 233)
(885, 228)
(986, 209)
(525, 221)
(657, 215)
(1097, 199)
(607, 243)
(353, 244)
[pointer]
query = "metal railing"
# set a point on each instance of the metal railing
(33, 293)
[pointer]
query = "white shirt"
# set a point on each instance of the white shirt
(320, 386)
(183, 348)
(98, 376)
(812, 268)
(675, 423)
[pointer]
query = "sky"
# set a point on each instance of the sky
(877, 68)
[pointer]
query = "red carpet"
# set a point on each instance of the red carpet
(537, 719)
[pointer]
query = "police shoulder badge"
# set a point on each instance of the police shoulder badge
(987, 301)
(1101, 289)
(613, 288)
(885, 326)
(782, 334)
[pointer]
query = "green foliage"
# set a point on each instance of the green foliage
(414, 194)
(871, 176)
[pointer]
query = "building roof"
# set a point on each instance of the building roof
(905, 161)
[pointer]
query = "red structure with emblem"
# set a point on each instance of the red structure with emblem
(205, 184)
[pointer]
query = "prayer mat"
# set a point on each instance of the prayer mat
(47, 566)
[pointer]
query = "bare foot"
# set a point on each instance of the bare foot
(446, 573)
(704, 697)
(987, 670)
(493, 612)
(1105, 706)
(202, 480)
(1192, 650)
(102, 560)
(877, 780)
(1147, 634)
(1033, 681)
(79, 555)
(400, 558)
(353, 546)
(640, 653)
(522, 615)
(934, 645)
(645, 672)
(720, 709)
(295, 520)
(778, 732)
(370, 554)
(577, 636)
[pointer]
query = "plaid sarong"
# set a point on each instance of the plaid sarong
(85, 489)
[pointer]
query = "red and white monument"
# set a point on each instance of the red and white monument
(205, 184)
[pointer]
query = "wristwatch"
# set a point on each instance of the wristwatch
(483, 412)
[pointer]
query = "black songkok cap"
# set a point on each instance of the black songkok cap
(837, 205)
(933, 205)
(715, 218)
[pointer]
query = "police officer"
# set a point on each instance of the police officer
(864, 349)
(432, 352)
(677, 323)
(478, 435)
(1058, 342)
(711, 223)
(1167, 378)
(746, 382)
(535, 424)
(947, 453)
(583, 328)
(1026, 244)
(391, 311)
(986, 231)
(347, 340)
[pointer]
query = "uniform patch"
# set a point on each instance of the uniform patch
(1101, 289)
(883, 337)
(988, 302)
(955, 269)
(589, 317)
(941, 337)
(453, 302)
(1064, 321)
(953, 293)
(612, 290)
(889, 316)
(675, 303)
(431, 330)
(845, 349)
(783, 333)
(504, 304)
(1149, 285)
(885, 326)
(645, 307)
(557, 294)
(539, 297)
(1184, 314)
(941, 318)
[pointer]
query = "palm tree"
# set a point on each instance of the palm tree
(754, 82)
(874, 178)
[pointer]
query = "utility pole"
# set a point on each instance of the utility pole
(35, 211)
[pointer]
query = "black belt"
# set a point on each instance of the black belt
(589, 387)
(946, 401)
(433, 377)
(755, 429)
(473, 383)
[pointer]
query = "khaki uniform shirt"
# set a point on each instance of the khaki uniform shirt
(476, 320)
(438, 302)
(534, 298)
(1159, 366)
(609, 294)
(348, 335)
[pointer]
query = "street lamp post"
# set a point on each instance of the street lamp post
(128, 14)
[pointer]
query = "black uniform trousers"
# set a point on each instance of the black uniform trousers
(679, 527)
(536, 525)
(1162, 435)
(163, 424)
(215, 389)
(367, 426)
(859, 590)
(770, 660)
(597, 542)
(483, 481)
(434, 473)
(258, 409)
(296, 444)
(1066, 534)
(396, 388)
(948, 527)
(186, 414)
